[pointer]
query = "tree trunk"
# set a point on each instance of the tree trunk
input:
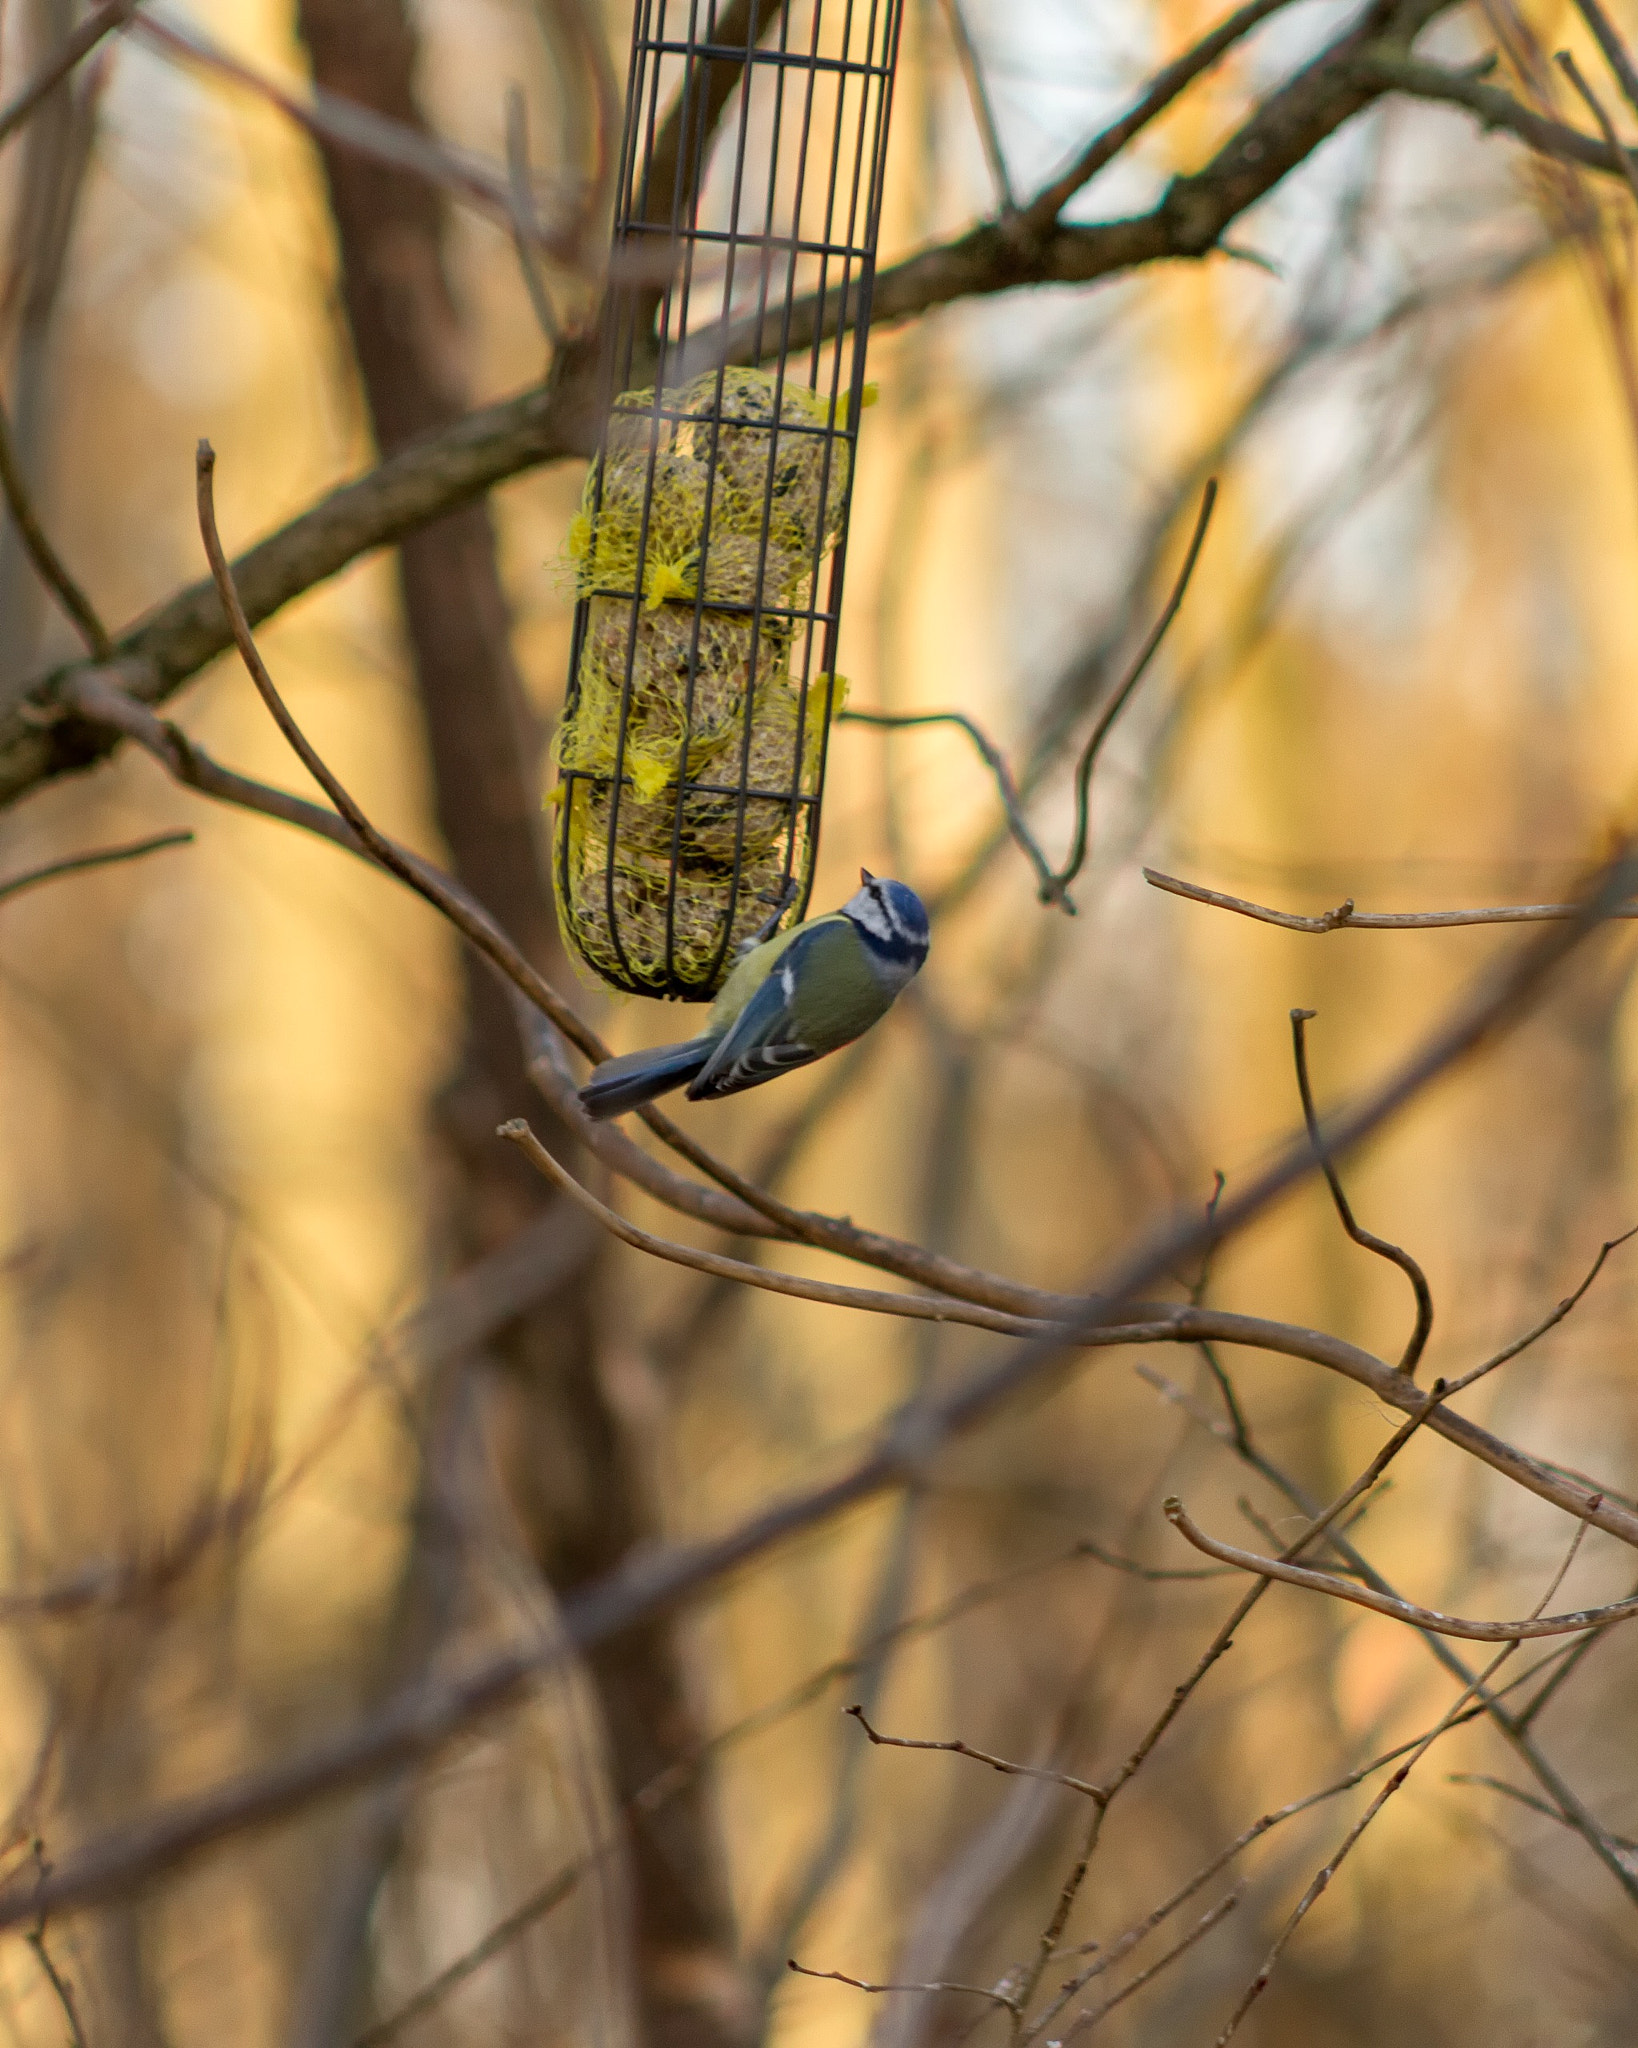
(578, 1488)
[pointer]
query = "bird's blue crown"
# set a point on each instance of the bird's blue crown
(891, 919)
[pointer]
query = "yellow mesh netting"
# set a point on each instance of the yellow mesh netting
(691, 718)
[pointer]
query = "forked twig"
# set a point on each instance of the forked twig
(1004, 1765)
(1084, 2022)
(1395, 1254)
(1476, 1688)
(1054, 882)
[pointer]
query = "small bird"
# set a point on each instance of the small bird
(789, 1000)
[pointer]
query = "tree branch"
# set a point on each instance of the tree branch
(1428, 1618)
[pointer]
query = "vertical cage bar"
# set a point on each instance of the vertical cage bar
(711, 543)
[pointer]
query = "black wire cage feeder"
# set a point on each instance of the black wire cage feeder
(709, 549)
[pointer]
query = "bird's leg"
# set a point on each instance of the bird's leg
(770, 925)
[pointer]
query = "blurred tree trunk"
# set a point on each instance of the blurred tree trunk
(578, 1487)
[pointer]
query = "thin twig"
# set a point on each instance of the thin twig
(1004, 1765)
(1053, 883)
(1156, 1574)
(52, 570)
(1550, 1321)
(479, 930)
(345, 124)
(1529, 1799)
(1428, 1618)
(1515, 1728)
(1084, 2022)
(994, 760)
(518, 180)
(36, 1938)
(1600, 113)
(1396, 1255)
(1118, 700)
(74, 47)
(437, 1989)
(859, 1984)
(972, 74)
(1323, 1877)
(1346, 918)
(81, 863)
(1614, 50)
(1041, 215)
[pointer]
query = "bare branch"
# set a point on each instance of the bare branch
(1084, 2022)
(1399, 1610)
(1346, 918)
(517, 170)
(1529, 1799)
(919, 1307)
(1054, 883)
(859, 1984)
(1475, 1688)
(1002, 1764)
(1600, 113)
(1494, 108)
(60, 1987)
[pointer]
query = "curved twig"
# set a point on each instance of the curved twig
(1573, 1623)
(919, 1307)
(1053, 883)
(51, 568)
(81, 863)
(1394, 1253)
(479, 930)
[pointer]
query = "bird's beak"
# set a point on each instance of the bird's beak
(865, 875)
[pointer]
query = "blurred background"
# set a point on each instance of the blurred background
(247, 1096)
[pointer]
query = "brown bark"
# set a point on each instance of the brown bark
(578, 1487)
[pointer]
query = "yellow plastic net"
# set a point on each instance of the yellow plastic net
(689, 768)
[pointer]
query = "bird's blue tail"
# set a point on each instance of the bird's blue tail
(637, 1077)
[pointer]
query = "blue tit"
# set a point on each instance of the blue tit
(789, 1000)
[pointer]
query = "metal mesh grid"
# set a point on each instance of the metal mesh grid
(712, 541)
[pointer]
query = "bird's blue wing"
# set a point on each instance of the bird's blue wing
(762, 1041)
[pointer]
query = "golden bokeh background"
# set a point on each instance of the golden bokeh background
(1402, 674)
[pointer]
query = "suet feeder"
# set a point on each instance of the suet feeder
(708, 551)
